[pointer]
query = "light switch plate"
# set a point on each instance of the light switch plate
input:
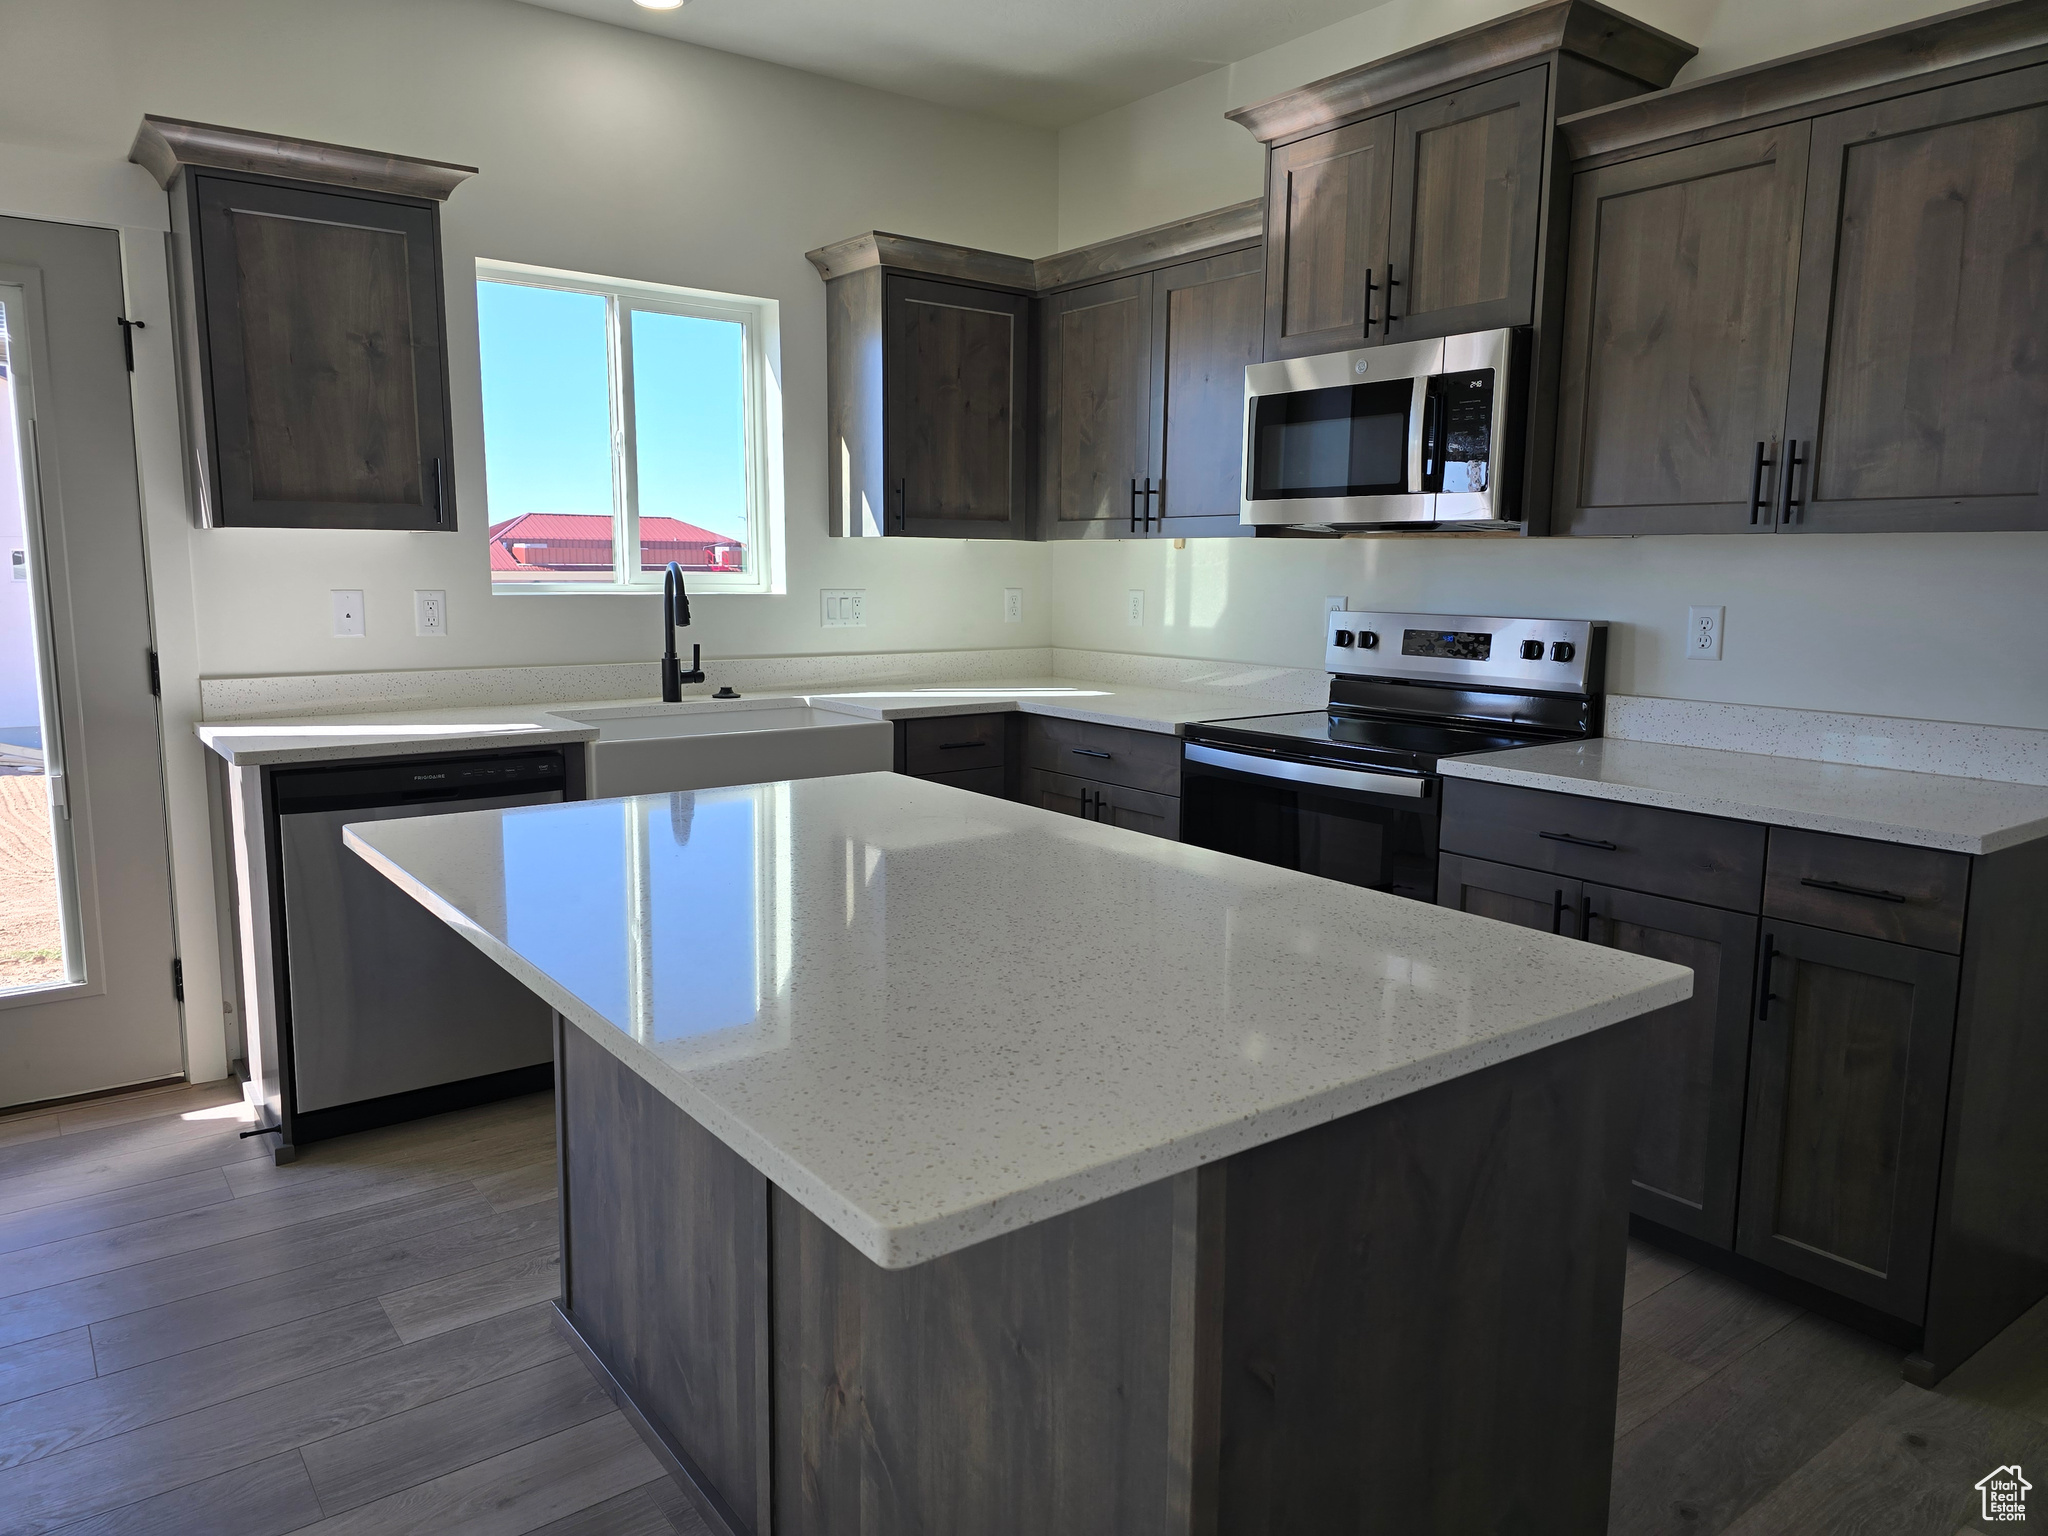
(843, 607)
(1703, 633)
(1336, 604)
(348, 615)
(430, 613)
(1013, 605)
(1135, 612)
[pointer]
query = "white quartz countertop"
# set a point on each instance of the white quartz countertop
(325, 738)
(931, 1016)
(1927, 810)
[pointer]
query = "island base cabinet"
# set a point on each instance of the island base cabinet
(1404, 1320)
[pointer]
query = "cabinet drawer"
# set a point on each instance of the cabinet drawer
(1639, 847)
(1116, 805)
(952, 743)
(1145, 760)
(1879, 890)
(983, 781)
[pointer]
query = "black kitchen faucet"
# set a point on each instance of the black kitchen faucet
(675, 613)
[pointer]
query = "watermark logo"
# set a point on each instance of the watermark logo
(2005, 1494)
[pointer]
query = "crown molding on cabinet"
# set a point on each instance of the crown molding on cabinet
(164, 146)
(1203, 234)
(1809, 83)
(1584, 29)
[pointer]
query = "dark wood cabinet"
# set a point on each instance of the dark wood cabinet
(1691, 1076)
(1918, 400)
(1527, 898)
(1678, 338)
(1467, 209)
(314, 332)
(1327, 204)
(1116, 805)
(1848, 1088)
(1207, 328)
(974, 752)
(954, 362)
(1097, 388)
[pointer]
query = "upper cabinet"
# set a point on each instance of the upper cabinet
(314, 338)
(1208, 320)
(1407, 199)
(1805, 297)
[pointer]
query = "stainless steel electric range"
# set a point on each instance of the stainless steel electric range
(1351, 792)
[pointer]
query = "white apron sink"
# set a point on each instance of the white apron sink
(645, 749)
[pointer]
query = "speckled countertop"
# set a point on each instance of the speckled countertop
(323, 738)
(931, 1016)
(1927, 810)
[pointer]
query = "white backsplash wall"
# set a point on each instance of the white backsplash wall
(1930, 626)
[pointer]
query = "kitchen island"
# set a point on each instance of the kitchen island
(934, 1163)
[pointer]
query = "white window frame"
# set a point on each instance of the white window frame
(760, 323)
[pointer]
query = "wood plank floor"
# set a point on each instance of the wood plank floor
(193, 1340)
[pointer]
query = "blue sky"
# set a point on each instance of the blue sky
(547, 409)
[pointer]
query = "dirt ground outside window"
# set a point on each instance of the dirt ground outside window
(31, 931)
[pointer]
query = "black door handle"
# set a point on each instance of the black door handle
(1756, 485)
(1090, 752)
(902, 507)
(1852, 890)
(1387, 320)
(1134, 503)
(959, 746)
(1586, 916)
(1371, 288)
(1793, 459)
(1764, 995)
(1148, 493)
(1579, 842)
(1558, 908)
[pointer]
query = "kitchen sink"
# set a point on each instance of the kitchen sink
(644, 749)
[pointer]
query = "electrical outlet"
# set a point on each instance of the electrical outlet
(430, 613)
(1134, 614)
(1703, 633)
(843, 607)
(1013, 605)
(1336, 604)
(348, 615)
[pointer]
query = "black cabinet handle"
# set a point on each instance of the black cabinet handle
(1134, 503)
(1756, 485)
(1090, 752)
(1579, 842)
(1852, 890)
(959, 746)
(1558, 908)
(1793, 459)
(1091, 803)
(902, 507)
(1586, 916)
(1764, 995)
(1387, 320)
(1372, 288)
(1148, 493)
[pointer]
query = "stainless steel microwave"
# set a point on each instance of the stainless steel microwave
(1413, 432)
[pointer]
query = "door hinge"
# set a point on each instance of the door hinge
(128, 330)
(156, 676)
(178, 980)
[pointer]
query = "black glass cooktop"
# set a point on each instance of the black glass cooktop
(1413, 744)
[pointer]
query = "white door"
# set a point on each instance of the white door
(86, 939)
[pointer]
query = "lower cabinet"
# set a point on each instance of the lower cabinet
(1848, 1088)
(1115, 805)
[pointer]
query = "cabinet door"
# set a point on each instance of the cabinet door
(1848, 1083)
(1678, 337)
(954, 369)
(1525, 897)
(1467, 209)
(324, 357)
(1098, 409)
(1208, 320)
(1919, 386)
(1695, 1057)
(1326, 235)
(1138, 810)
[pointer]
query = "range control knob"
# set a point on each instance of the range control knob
(1532, 650)
(1562, 650)
(1344, 639)
(1368, 641)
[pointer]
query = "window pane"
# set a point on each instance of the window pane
(547, 432)
(31, 901)
(689, 418)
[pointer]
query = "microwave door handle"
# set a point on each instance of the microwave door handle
(1364, 781)
(1418, 428)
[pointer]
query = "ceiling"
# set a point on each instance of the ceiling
(1043, 62)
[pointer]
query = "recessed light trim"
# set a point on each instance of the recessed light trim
(659, 5)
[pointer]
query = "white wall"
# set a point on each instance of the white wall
(1946, 627)
(602, 150)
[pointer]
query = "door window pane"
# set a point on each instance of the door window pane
(547, 432)
(31, 911)
(689, 421)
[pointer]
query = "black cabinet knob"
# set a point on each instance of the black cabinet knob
(1344, 639)
(1532, 650)
(1368, 641)
(1562, 650)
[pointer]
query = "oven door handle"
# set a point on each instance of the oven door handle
(1362, 780)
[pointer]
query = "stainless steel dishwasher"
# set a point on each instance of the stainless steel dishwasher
(390, 1014)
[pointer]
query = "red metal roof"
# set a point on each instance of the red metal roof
(583, 541)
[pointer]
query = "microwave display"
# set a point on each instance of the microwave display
(1453, 644)
(1347, 440)
(1464, 430)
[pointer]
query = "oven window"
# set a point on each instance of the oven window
(1383, 844)
(1350, 440)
